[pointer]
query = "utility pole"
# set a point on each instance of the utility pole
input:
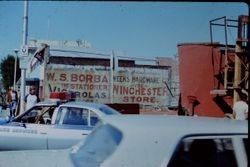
(111, 76)
(24, 55)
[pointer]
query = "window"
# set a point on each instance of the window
(204, 152)
(98, 146)
(89, 117)
(39, 114)
(75, 116)
(78, 116)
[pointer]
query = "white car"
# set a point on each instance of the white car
(46, 127)
(148, 141)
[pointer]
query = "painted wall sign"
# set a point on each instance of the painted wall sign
(144, 86)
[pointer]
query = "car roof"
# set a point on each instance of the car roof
(90, 105)
(83, 103)
(182, 124)
(158, 135)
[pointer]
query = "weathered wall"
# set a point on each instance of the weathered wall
(197, 78)
(130, 85)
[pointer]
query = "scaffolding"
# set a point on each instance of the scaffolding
(233, 72)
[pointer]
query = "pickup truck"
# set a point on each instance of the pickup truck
(49, 125)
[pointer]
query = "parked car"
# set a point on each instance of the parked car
(48, 125)
(148, 141)
(47, 106)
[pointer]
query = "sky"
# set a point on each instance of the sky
(139, 29)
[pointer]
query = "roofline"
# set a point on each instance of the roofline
(168, 122)
(215, 44)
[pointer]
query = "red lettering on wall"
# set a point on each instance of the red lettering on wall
(81, 77)
(50, 76)
(138, 99)
(73, 77)
(63, 77)
(97, 78)
(139, 91)
(88, 78)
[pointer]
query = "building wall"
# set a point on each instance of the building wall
(174, 86)
(129, 84)
(197, 79)
(89, 78)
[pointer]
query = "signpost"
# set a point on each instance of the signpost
(23, 56)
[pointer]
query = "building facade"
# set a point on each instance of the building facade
(99, 75)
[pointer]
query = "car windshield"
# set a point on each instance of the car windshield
(32, 114)
(98, 146)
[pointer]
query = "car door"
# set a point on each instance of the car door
(72, 124)
(22, 137)
(27, 131)
(59, 138)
